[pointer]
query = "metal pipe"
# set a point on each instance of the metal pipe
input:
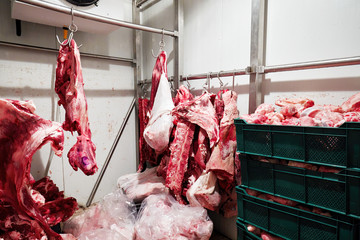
(111, 152)
(178, 42)
(230, 73)
(313, 65)
(53, 50)
(141, 2)
(147, 6)
(236, 72)
(97, 18)
(257, 52)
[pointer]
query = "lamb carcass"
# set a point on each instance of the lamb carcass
(22, 133)
(69, 86)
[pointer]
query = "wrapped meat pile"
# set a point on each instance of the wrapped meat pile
(111, 218)
(162, 217)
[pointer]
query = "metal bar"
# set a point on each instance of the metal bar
(141, 2)
(178, 42)
(97, 18)
(236, 72)
(137, 75)
(54, 50)
(143, 8)
(257, 53)
(111, 152)
(313, 65)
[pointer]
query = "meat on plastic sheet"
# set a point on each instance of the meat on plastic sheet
(137, 186)
(157, 132)
(162, 217)
(112, 218)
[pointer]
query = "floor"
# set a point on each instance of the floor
(218, 236)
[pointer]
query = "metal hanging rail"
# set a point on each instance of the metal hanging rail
(231, 73)
(148, 5)
(97, 18)
(53, 50)
(313, 65)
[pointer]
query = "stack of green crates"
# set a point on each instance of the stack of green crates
(338, 193)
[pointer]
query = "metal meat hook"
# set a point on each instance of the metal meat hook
(161, 45)
(187, 82)
(221, 84)
(73, 28)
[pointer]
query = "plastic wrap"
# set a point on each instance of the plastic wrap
(162, 217)
(112, 218)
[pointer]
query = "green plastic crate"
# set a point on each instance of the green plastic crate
(337, 147)
(243, 233)
(293, 223)
(331, 191)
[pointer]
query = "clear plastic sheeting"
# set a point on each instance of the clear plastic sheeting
(162, 217)
(112, 218)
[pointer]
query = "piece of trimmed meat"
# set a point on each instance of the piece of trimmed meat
(204, 192)
(352, 104)
(137, 186)
(201, 149)
(22, 133)
(69, 86)
(293, 106)
(265, 108)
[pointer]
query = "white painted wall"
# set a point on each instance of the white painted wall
(109, 88)
(217, 37)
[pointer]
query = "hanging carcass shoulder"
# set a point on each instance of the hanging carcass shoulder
(157, 132)
(69, 86)
(28, 208)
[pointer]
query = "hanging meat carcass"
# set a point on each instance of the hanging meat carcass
(69, 86)
(180, 149)
(28, 209)
(200, 111)
(221, 161)
(157, 131)
(146, 153)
